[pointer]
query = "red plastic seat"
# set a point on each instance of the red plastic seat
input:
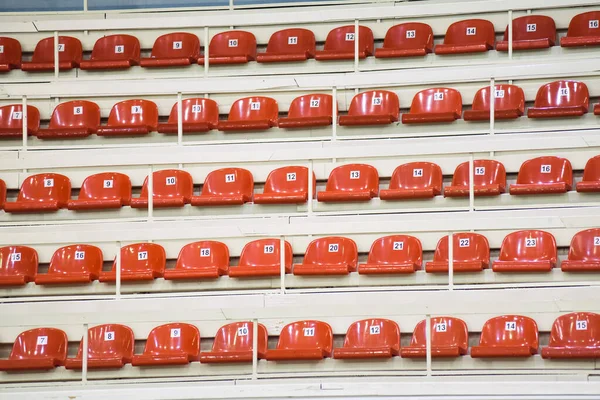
(73, 119)
(3, 194)
(41, 193)
(543, 175)
(233, 344)
(530, 32)
(78, 263)
(597, 109)
(102, 191)
(489, 179)
(11, 120)
(308, 111)
(527, 251)
(139, 262)
(416, 180)
(449, 338)
(303, 340)
(200, 260)
(293, 44)
(232, 47)
(226, 187)
(434, 105)
(370, 338)
(69, 55)
(591, 176)
(395, 254)
(375, 107)
(113, 52)
(509, 103)
(251, 114)
(131, 118)
(173, 50)
(507, 336)
(351, 182)
(468, 36)
(560, 99)
(109, 346)
(584, 253)
(261, 258)
(413, 39)
(37, 349)
(574, 335)
(10, 54)
(170, 187)
(339, 44)
(332, 255)
(170, 344)
(584, 30)
(470, 253)
(199, 115)
(18, 265)
(286, 185)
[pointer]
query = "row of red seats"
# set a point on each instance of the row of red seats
(296, 44)
(574, 335)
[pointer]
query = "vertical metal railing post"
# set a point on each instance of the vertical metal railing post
(428, 343)
(334, 113)
(179, 120)
(150, 194)
(24, 116)
(450, 261)
(84, 357)
(510, 34)
(254, 349)
(311, 193)
(492, 109)
(56, 63)
(282, 264)
(471, 184)
(85, 5)
(356, 45)
(206, 51)
(118, 267)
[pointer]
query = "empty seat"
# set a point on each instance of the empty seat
(11, 121)
(131, 118)
(170, 344)
(170, 188)
(331, 255)
(233, 344)
(416, 180)
(3, 194)
(470, 253)
(527, 251)
(308, 111)
(591, 176)
(139, 262)
(10, 54)
(574, 335)
(530, 32)
(339, 44)
(113, 52)
(597, 109)
(584, 252)
(543, 175)
(102, 191)
(261, 258)
(449, 338)
(489, 179)
(226, 186)
(78, 263)
(18, 265)
(584, 30)
(109, 346)
(303, 340)
(509, 103)
(351, 182)
(37, 349)
(69, 55)
(173, 50)
(41, 193)
(375, 107)
(200, 260)
(199, 115)
(468, 36)
(560, 99)
(231, 47)
(434, 105)
(412, 39)
(251, 114)
(395, 254)
(507, 336)
(370, 338)
(286, 185)
(293, 44)
(73, 119)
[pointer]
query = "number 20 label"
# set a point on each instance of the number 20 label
(334, 248)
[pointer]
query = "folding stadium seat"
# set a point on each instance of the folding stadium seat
(251, 114)
(10, 54)
(597, 109)
(41, 193)
(574, 335)
(331, 255)
(591, 176)
(173, 50)
(199, 115)
(69, 55)
(303, 340)
(170, 187)
(370, 338)
(109, 346)
(232, 47)
(489, 179)
(233, 344)
(509, 103)
(37, 349)
(72, 119)
(3, 194)
(434, 105)
(11, 121)
(286, 185)
(527, 251)
(131, 118)
(412, 39)
(308, 111)
(351, 182)
(395, 254)
(416, 180)
(543, 175)
(261, 258)
(468, 36)
(560, 99)
(584, 253)
(102, 191)
(375, 107)
(507, 336)
(226, 187)
(200, 260)
(18, 265)
(78, 263)
(449, 338)
(530, 32)
(139, 262)
(584, 30)
(293, 44)
(339, 44)
(470, 253)
(170, 344)
(113, 52)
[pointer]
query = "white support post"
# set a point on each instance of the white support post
(231, 5)
(492, 105)
(179, 121)
(282, 263)
(254, 349)
(56, 54)
(334, 113)
(311, 194)
(24, 117)
(85, 5)
(471, 184)
(428, 343)
(206, 51)
(510, 35)
(356, 29)
(118, 278)
(84, 356)
(450, 261)
(150, 194)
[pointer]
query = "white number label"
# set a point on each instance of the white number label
(596, 240)
(109, 336)
(119, 49)
(334, 247)
(42, 340)
(545, 169)
(80, 255)
(354, 174)
(142, 255)
(254, 105)
(374, 329)
(175, 332)
(136, 109)
(581, 325)
(229, 178)
(170, 180)
(48, 182)
(350, 37)
(290, 177)
(61, 47)
(17, 115)
(196, 108)
(564, 91)
(510, 326)
(269, 249)
(411, 34)
(418, 173)
(308, 332)
(531, 27)
(314, 103)
(593, 24)
(108, 184)
(293, 40)
(530, 242)
(479, 170)
(177, 45)
(242, 331)
(464, 242)
(2, 48)
(438, 96)
(499, 93)
(205, 252)
(233, 43)
(377, 101)
(14, 257)
(471, 31)
(441, 327)
(398, 246)
(78, 110)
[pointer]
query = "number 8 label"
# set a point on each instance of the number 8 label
(109, 336)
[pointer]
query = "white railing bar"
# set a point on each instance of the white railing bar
(471, 184)
(450, 261)
(179, 120)
(206, 51)
(356, 45)
(282, 263)
(254, 349)
(24, 117)
(150, 194)
(84, 356)
(334, 112)
(428, 343)
(118, 271)
(311, 193)
(56, 62)
(510, 34)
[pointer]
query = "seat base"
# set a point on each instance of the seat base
(484, 115)
(578, 266)
(353, 353)
(209, 200)
(31, 206)
(442, 49)
(502, 351)
(123, 130)
(240, 126)
(457, 266)
(588, 186)
(525, 44)
(570, 352)
(329, 55)
(321, 269)
(280, 198)
(189, 274)
(436, 351)
(111, 276)
(197, 127)
(304, 122)
(340, 196)
(579, 41)
(96, 363)
(64, 133)
(478, 191)
(357, 120)
(97, 65)
(556, 112)
(522, 266)
(217, 60)
(282, 57)
(387, 269)
(29, 365)
(8, 133)
(15, 280)
(48, 66)
(256, 271)
(64, 279)
(167, 62)
(429, 118)
(397, 53)
(300, 354)
(147, 360)
(171, 202)
(213, 357)
(407, 194)
(544, 188)
(94, 204)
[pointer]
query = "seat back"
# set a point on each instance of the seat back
(40, 343)
(437, 100)
(352, 177)
(173, 339)
(228, 181)
(445, 331)
(531, 245)
(584, 24)
(11, 51)
(106, 185)
(470, 31)
(44, 187)
(342, 39)
(18, 260)
(134, 112)
(287, 180)
(591, 171)
(176, 45)
(110, 340)
(76, 113)
(510, 330)
(265, 252)
(506, 97)
(292, 41)
(417, 175)
(585, 246)
(69, 50)
(306, 335)
(411, 35)
(485, 173)
(78, 259)
(578, 329)
(311, 105)
(254, 108)
(533, 27)
(238, 336)
(375, 102)
(466, 246)
(373, 333)
(203, 254)
(563, 94)
(232, 44)
(196, 110)
(140, 257)
(169, 183)
(116, 48)
(332, 250)
(546, 170)
(11, 117)
(396, 249)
